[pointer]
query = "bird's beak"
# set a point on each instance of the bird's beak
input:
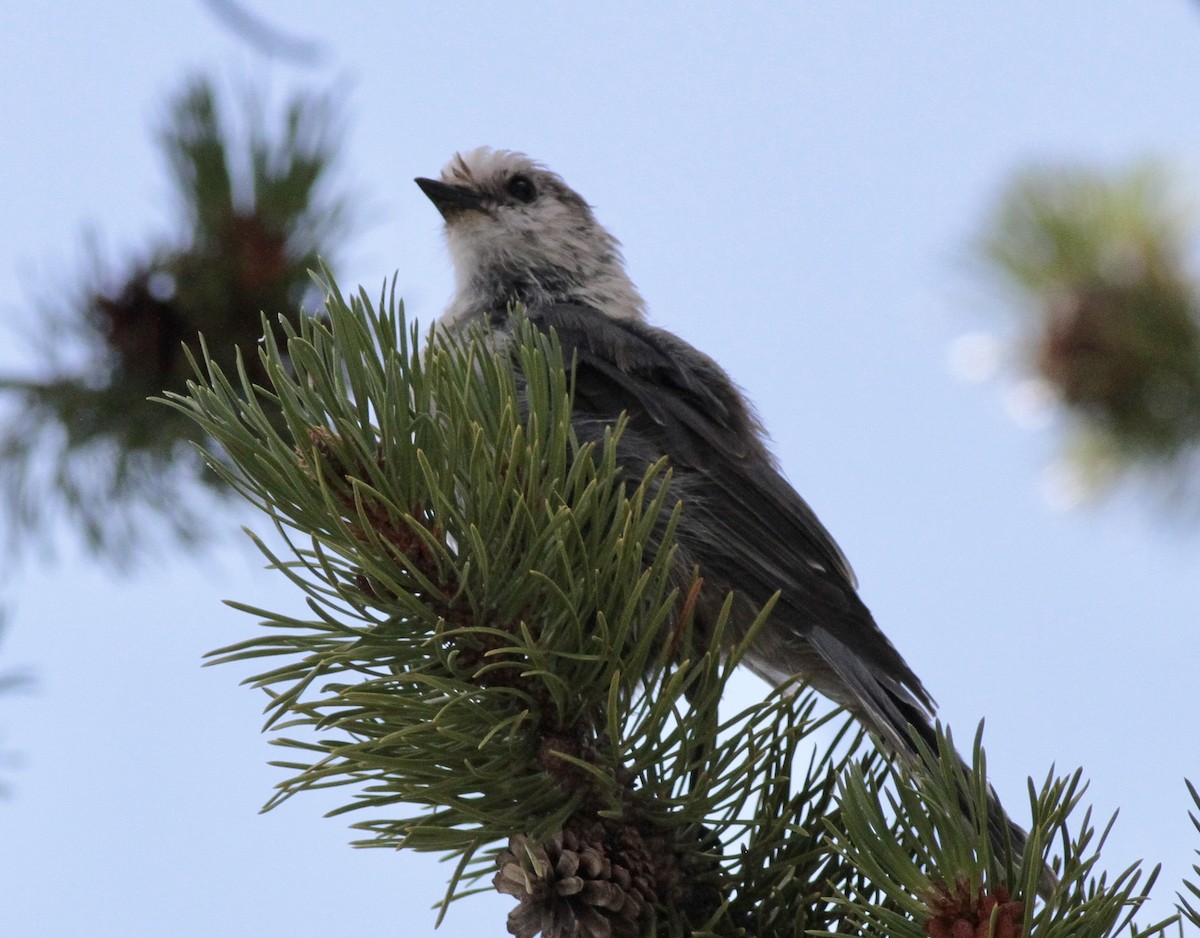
(450, 200)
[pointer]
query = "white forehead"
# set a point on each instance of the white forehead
(483, 165)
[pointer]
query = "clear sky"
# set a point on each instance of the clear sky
(794, 184)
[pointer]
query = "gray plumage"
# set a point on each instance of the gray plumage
(518, 234)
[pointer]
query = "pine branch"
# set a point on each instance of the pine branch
(941, 878)
(1109, 315)
(495, 669)
(491, 648)
(81, 441)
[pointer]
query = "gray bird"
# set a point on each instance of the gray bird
(518, 234)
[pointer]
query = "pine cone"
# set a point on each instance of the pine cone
(956, 915)
(570, 887)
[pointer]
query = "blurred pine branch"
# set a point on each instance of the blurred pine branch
(1109, 315)
(81, 443)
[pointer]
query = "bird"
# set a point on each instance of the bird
(519, 236)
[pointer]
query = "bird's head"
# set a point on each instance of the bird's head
(518, 233)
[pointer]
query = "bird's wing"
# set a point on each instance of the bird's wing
(677, 394)
(759, 536)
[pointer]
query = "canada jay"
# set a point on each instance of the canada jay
(518, 234)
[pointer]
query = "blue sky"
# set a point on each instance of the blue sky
(795, 185)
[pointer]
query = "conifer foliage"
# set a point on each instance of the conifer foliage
(496, 670)
(81, 440)
(1108, 314)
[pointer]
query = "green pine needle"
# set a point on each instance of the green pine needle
(493, 661)
(492, 651)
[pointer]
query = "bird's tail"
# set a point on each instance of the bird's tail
(900, 717)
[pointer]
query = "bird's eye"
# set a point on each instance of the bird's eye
(521, 188)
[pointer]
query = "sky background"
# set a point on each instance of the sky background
(795, 185)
